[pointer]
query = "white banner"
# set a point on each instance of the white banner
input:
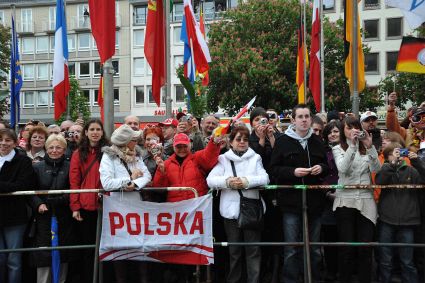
(172, 232)
(413, 10)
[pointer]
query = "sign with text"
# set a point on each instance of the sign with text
(172, 232)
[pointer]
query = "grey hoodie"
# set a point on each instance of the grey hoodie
(303, 141)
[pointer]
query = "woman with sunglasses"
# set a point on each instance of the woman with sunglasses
(250, 173)
(355, 209)
(84, 174)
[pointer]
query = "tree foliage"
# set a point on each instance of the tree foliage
(79, 107)
(254, 52)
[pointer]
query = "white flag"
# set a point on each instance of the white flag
(413, 10)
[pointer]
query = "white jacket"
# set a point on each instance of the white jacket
(113, 174)
(248, 166)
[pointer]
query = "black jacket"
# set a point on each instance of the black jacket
(264, 151)
(53, 175)
(16, 175)
(399, 206)
(288, 154)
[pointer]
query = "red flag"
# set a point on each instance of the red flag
(155, 46)
(314, 79)
(206, 79)
(100, 99)
(102, 19)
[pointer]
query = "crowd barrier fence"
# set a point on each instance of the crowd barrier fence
(97, 274)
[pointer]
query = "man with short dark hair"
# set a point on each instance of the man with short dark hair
(299, 158)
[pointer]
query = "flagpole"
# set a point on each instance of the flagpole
(354, 66)
(14, 58)
(322, 61)
(304, 51)
(168, 100)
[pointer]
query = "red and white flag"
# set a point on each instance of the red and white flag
(172, 232)
(314, 79)
(60, 63)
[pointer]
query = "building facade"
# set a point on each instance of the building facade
(383, 26)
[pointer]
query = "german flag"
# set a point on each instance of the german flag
(411, 57)
(300, 80)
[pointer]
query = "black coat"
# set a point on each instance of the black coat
(16, 175)
(53, 175)
(288, 154)
(399, 206)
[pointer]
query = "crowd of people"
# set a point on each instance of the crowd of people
(186, 152)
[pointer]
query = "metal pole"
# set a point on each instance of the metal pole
(322, 61)
(168, 100)
(304, 51)
(68, 98)
(306, 240)
(108, 97)
(354, 66)
(97, 269)
(14, 58)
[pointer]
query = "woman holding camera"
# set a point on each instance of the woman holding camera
(355, 209)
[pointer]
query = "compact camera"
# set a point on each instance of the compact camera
(361, 135)
(404, 152)
(264, 121)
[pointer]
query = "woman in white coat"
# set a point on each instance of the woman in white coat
(250, 174)
(122, 168)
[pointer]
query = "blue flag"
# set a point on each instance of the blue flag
(15, 79)
(56, 261)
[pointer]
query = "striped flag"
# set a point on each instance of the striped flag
(60, 64)
(314, 78)
(15, 79)
(206, 79)
(411, 57)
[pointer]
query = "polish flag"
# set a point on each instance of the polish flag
(60, 64)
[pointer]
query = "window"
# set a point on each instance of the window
(140, 94)
(139, 66)
(2, 20)
(140, 14)
(394, 27)
(178, 12)
(52, 44)
(43, 98)
(28, 99)
(209, 10)
(176, 32)
(42, 71)
(42, 43)
(96, 69)
(51, 70)
(86, 94)
(392, 60)
(371, 29)
(180, 94)
(71, 68)
(371, 63)
(149, 69)
(94, 42)
(27, 45)
(150, 95)
(178, 60)
(116, 96)
(116, 66)
(84, 71)
(83, 15)
(28, 72)
(52, 18)
(232, 3)
(371, 4)
(26, 20)
(117, 39)
(139, 38)
(84, 41)
(71, 42)
(328, 5)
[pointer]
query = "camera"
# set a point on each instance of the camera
(404, 152)
(361, 135)
(69, 134)
(264, 121)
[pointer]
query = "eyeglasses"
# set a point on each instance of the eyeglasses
(241, 139)
(272, 115)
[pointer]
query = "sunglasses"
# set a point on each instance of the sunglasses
(241, 139)
(418, 118)
(272, 115)
(184, 119)
(370, 119)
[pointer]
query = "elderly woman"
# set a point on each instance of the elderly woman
(250, 173)
(36, 141)
(53, 174)
(16, 174)
(122, 168)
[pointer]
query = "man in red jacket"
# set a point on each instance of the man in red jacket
(186, 169)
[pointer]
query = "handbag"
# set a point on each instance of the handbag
(251, 212)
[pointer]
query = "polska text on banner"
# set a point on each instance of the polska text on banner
(177, 232)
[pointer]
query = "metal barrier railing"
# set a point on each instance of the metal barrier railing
(305, 244)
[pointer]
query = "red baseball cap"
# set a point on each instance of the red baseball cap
(169, 122)
(181, 139)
